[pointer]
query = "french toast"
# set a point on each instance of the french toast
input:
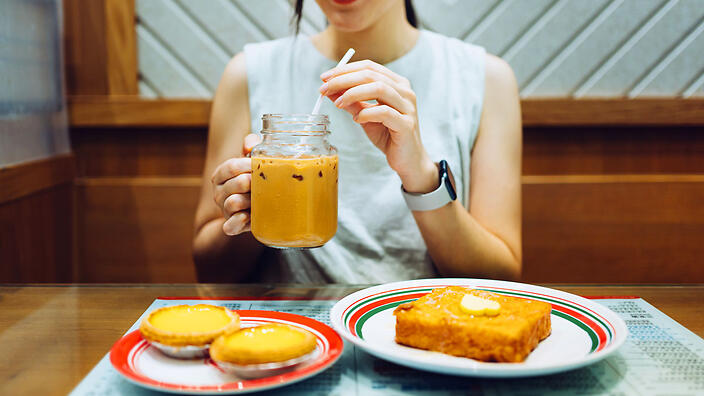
(437, 322)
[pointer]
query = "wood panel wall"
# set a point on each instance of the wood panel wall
(601, 204)
(612, 188)
(136, 229)
(36, 221)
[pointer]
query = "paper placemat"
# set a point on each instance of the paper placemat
(660, 357)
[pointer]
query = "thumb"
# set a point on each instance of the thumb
(250, 141)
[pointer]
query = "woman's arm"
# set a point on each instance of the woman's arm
(486, 240)
(220, 257)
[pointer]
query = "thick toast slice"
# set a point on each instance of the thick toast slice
(436, 322)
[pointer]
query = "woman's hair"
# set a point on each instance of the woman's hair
(298, 13)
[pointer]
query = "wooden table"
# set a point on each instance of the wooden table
(51, 336)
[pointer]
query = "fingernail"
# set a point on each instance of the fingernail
(338, 101)
(326, 75)
(324, 88)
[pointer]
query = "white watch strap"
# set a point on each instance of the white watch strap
(430, 201)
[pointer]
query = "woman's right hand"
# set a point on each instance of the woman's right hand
(231, 189)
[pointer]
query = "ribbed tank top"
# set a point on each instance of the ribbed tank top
(377, 238)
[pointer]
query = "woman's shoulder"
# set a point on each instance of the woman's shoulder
(254, 51)
(266, 58)
(496, 70)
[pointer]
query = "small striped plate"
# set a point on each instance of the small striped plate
(583, 332)
(142, 364)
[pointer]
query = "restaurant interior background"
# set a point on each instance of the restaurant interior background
(102, 142)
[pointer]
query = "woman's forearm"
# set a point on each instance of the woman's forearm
(461, 246)
(222, 258)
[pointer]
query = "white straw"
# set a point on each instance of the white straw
(344, 60)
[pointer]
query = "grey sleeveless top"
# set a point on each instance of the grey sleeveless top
(377, 238)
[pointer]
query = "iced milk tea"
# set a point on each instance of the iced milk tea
(294, 200)
(294, 182)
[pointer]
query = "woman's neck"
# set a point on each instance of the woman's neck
(388, 39)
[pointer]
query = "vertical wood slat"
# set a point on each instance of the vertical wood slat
(85, 56)
(121, 47)
(100, 47)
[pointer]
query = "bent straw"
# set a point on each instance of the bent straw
(344, 60)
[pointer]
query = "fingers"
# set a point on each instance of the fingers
(232, 182)
(237, 223)
(351, 88)
(250, 141)
(362, 65)
(343, 82)
(234, 199)
(240, 184)
(386, 115)
(231, 168)
(235, 203)
(379, 91)
(353, 108)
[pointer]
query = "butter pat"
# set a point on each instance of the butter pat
(478, 306)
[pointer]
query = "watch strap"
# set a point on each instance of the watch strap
(438, 198)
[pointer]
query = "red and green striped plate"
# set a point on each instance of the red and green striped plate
(583, 331)
(143, 365)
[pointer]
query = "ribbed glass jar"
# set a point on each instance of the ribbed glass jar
(294, 182)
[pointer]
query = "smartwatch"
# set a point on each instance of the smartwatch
(444, 194)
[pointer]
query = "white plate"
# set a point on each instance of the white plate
(583, 332)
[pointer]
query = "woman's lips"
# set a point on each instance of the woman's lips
(344, 1)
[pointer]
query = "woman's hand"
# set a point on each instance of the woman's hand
(391, 123)
(231, 189)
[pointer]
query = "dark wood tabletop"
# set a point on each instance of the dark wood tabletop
(52, 335)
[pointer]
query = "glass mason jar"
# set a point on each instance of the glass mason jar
(294, 182)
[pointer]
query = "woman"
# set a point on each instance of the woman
(436, 99)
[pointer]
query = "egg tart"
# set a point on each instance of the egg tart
(188, 328)
(270, 343)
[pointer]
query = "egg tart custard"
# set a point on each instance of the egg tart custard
(269, 343)
(188, 325)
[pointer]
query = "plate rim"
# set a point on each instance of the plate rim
(335, 350)
(479, 369)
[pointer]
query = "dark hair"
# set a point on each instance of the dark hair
(298, 13)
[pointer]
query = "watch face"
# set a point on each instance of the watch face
(449, 180)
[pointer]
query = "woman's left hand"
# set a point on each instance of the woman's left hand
(391, 123)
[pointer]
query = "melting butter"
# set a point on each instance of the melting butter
(478, 306)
